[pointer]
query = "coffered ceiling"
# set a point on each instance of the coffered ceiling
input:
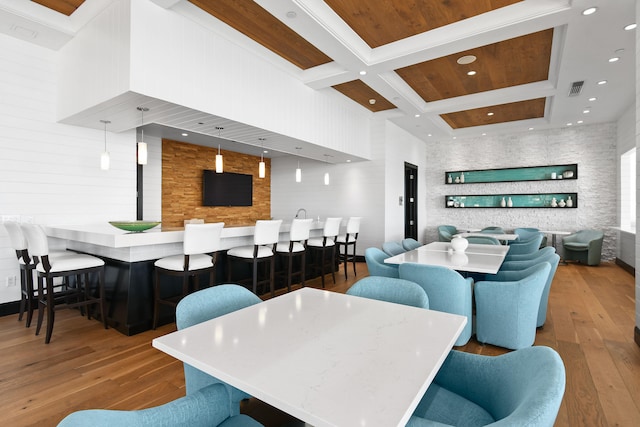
(438, 68)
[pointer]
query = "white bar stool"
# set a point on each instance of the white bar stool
(200, 246)
(321, 245)
(266, 233)
(70, 264)
(349, 239)
(296, 247)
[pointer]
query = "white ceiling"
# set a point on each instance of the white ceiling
(581, 49)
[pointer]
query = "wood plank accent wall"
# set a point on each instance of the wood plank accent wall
(182, 166)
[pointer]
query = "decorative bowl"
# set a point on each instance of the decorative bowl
(134, 226)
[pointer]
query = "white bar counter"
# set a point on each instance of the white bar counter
(103, 239)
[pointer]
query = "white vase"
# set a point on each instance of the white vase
(569, 202)
(554, 203)
(459, 244)
(510, 203)
(561, 203)
(503, 203)
(462, 178)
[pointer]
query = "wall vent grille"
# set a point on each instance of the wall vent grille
(576, 88)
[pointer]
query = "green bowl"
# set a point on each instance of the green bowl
(134, 226)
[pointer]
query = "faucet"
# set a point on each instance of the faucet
(301, 210)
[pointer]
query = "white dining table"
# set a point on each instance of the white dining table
(326, 358)
(477, 258)
(499, 236)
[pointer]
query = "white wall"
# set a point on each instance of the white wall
(50, 173)
(367, 189)
(592, 147)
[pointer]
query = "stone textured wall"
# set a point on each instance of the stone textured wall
(592, 147)
(182, 166)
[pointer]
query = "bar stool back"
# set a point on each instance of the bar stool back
(265, 238)
(321, 245)
(19, 244)
(349, 239)
(296, 247)
(82, 266)
(200, 246)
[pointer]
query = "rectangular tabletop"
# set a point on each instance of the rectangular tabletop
(499, 236)
(326, 358)
(476, 258)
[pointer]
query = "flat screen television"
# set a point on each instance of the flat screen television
(226, 189)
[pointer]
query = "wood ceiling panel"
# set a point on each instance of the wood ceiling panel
(523, 110)
(384, 21)
(361, 93)
(507, 63)
(63, 6)
(256, 23)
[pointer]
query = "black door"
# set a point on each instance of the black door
(411, 201)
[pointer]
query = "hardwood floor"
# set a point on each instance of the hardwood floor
(590, 323)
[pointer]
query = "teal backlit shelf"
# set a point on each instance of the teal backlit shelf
(562, 201)
(529, 173)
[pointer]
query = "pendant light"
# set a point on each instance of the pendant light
(298, 170)
(104, 157)
(142, 146)
(261, 167)
(219, 166)
(326, 174)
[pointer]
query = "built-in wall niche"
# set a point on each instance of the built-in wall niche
(511, 201)
(527, 173)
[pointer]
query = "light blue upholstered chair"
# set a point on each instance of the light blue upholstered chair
(526, 257)
(393, 248)
(410, 244)
(529, 246)
(390, 289)
(448, 291)
(483, 240)
(524, 233)
(522, 388)
(374, 258)
(492, 230)
(446, 232)
(208, 407)
(208, 304)
(516, 270)
(507, 311)
(584, 246)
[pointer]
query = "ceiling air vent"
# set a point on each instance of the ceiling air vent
(576, 88)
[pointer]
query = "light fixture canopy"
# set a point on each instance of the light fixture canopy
(105, 159)
(141, 146)
(219, 163)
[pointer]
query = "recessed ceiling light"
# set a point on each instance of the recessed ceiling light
(602, 82)
(484, 134)
(467, 59)
(454, 137)
(614, 59)
(265, 151)
(471, 73)
(586, 111)
(589, 11)
(363, 73)
(185, 134)
(569, 124)
(417, 115)
(593, 98)
(630, 27)
(372, 101)
(291, 14)
(489, 114)
(580, 122)
(530, 128)
(429, 134)
(348, 160)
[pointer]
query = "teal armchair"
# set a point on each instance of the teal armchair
(584, 246)
(374, 258)
(530, 245)
(526, 257)
(208, 304)
(507, 311)
(446, 232)
(525, 233)
(448, 291)
(389, 289)
(410, 244)
(208, 407)
(393, 248)
(522, 388)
